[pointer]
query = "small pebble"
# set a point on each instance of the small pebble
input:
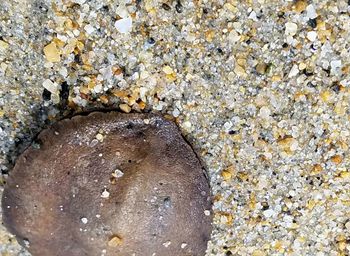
(84, 220)
(125, 108)
(291, 28)
(311, 35)
(115, 241)
(118, 173)
(105, 194)
(124, 25)
(52, 53)
(311, 12)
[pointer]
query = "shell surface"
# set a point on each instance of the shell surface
(109, 184)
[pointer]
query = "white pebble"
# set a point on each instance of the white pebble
(166, 244)
(335, 66)
(63, 72)
(117, 173)
(89, 29)
(98, 88)
(311, 12)
(253, 16)
(76, 32)
(294, 71)
(187, 125)
(84, 220)
(234, 36)
(269, 213)
(264, 112)
(105, 194)
(312, 35)
(176, 112)
(347, 225)
(79, 1)
(51, 86)
(26, 243)
(291, 28)
(124, 25)
(292, 193)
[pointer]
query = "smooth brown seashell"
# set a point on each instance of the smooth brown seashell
(109, 184)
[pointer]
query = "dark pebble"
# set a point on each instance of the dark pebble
(179, 7)
(312, 23)
(64, 93)
(220, 50)
(151, 40)
(166, 7)
(336, 87)
(46, 95)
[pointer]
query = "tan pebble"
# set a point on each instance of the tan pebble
(258, 253)
(230, 7)
(99, 137)
(337, 159)
(300, 5)
(104, 99)
(117, 71)
(276, 78)
(59, 43)
(3, 45)
(120, 94)
(325, 96)
(288, 144)
(279, 246)
(209, 35)
(243, 176)
(142, 105)
(316, 169)
(299, 96)
(171, 77)
(240, 71)
(342, 246)
(52, 53)
(242, 62)
(115, 241)
(68, 24)
(311, 204)
(261, 68)
(227, 173)
(168, 70)
(302, 66)
(345, 175)
(125, 108)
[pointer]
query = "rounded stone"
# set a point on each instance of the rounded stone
(109, 184)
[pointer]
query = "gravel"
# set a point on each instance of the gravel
(259, 88)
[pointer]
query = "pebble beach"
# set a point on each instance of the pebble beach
(260, 89)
